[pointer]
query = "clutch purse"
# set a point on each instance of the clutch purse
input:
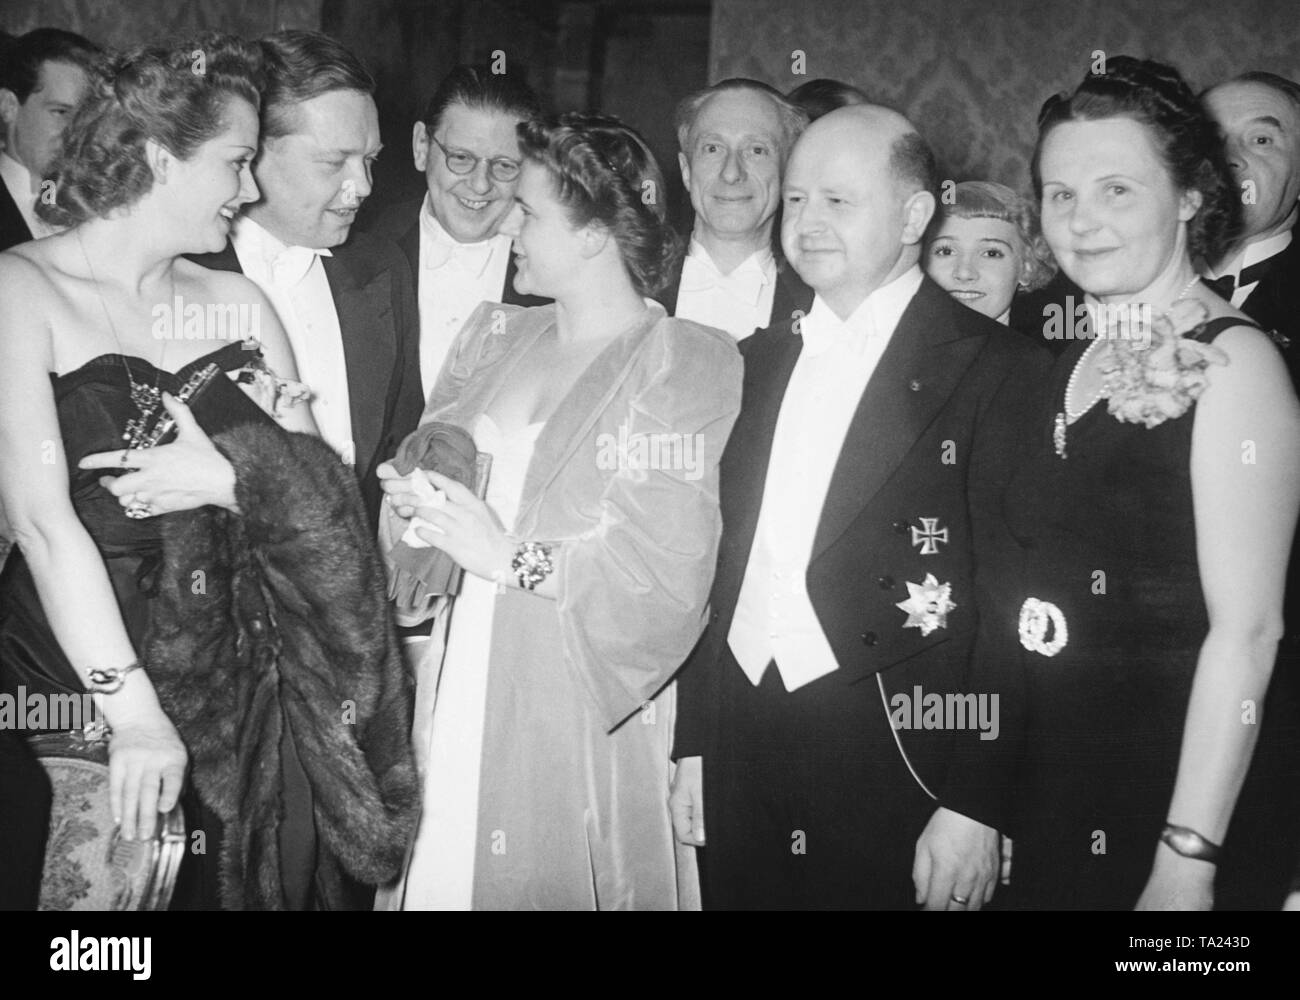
(88, 866)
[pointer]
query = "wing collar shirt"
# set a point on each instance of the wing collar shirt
(739, 302)
(454, 278)
(775, 619)
(18, 179)
(294, 279)
(1253, 253)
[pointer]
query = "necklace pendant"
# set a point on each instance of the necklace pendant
(1058, 435)
(147, 400)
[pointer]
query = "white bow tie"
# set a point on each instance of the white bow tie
(471, 257)
(291, 265)
(822, 332)
(743, 284)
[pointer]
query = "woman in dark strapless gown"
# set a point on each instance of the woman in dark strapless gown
(1153, 518)
(94, 404)
(216, 585)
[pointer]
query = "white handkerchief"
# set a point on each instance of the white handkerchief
(429, 496)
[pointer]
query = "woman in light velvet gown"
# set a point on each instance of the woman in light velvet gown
(546, 746)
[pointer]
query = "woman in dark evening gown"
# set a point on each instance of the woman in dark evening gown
(1154, 517)
(215, 585)
(94, 404)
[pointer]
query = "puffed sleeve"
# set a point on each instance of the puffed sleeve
(632, 591)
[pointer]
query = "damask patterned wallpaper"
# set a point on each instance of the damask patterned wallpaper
(124, 25)
(972, 75)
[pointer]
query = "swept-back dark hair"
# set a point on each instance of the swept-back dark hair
(20, 68)
(1156, 95)
(177, 96)
(301, 65)
(604, 172)
(480, 89)
(818, 97)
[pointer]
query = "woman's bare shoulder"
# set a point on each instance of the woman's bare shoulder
(36, 265)
(217, 286)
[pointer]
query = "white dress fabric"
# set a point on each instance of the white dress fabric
(440, 873)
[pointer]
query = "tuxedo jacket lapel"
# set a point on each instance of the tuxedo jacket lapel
(364, 307)
(913, 379)
(409, 244)
(791, 296)
(668, 297)
(770, 358)
(13, 227)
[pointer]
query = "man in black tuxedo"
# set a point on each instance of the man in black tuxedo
(1259, 114)
(856, 494)
(43, 75)
(467, 149)
(735, 137)
(346, 301)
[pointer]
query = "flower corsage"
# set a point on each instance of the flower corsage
(1149, 385)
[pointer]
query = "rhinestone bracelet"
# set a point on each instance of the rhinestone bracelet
(532, 564)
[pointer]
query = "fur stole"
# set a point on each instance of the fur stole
(278, 615)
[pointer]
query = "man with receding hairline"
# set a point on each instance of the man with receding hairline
(734, 138)
(856, 490)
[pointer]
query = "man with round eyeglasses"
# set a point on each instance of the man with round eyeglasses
(465, 146)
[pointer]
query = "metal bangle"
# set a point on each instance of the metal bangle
(1190, 844)
(109, 680)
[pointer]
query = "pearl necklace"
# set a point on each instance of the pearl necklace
(1066, 416)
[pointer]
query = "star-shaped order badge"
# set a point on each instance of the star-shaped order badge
(928, 605)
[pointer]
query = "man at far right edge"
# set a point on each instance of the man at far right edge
(1259, 114)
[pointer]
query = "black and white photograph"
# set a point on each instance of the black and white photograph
(716, 455)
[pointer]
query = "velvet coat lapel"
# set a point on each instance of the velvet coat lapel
(570, 426)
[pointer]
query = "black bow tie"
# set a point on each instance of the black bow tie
(1222, 287)
(1226, 285)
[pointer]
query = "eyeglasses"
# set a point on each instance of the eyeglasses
(461, 161)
